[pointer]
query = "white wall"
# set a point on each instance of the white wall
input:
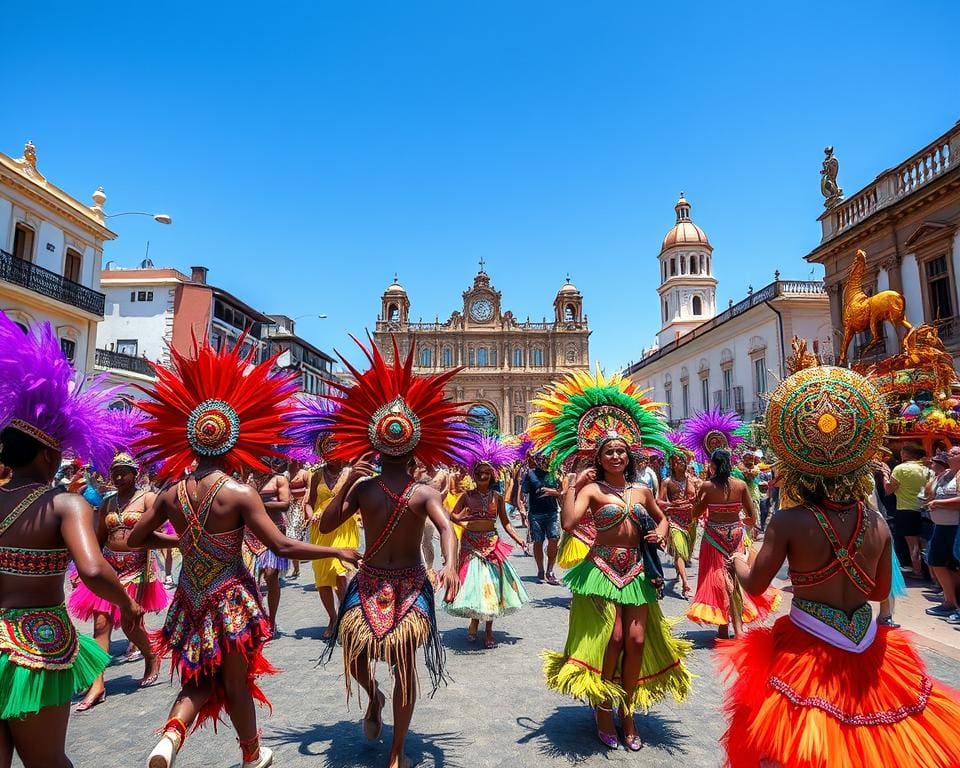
(911, 289)
(141, 320)
(6, 225)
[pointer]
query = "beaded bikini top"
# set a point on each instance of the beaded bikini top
(611, 515)
(126, 518)
(844, 559)
(475, 503)
(28, 561)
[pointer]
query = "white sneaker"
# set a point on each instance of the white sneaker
(164, 754)
(265, 759)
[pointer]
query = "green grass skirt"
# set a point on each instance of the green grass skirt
(587, 579)
(25, 690)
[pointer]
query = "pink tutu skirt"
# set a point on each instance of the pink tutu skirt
(131, 568)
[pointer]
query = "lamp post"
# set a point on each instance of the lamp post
(160, 218)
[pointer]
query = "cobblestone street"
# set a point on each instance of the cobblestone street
(496, 712)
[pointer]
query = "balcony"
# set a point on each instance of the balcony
(106, 358)
(28, 275)
(893, 185)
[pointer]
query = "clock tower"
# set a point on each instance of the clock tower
(481, 303)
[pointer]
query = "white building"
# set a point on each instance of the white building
(732, 358)
(51, 246)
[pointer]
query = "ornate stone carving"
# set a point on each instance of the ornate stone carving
(828, 179)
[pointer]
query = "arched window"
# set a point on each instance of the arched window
(537, 357)
(694, 264)
(447, 357)
(426, 357)
(569, 314)
(518, 424)
(482, 357)
(665, 310)
(471, 357)
(393, 313)
(518, 357)
(697, 305)
(673, 267)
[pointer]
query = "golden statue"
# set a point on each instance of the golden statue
(800, 359)
(862, 312)
(922, 348)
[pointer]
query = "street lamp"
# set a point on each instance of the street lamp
(319, 317)
(160, 218)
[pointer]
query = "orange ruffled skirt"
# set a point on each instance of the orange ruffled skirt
(799, 702)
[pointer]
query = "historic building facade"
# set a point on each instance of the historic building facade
(731, 359)
(51, 245)
(506, 360)
(907, 220)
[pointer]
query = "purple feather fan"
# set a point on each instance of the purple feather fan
(128, 426)
(487, 449)
(312, 422)
(39, 387)
(695, 432)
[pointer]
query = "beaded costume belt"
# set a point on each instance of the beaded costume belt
(619, 564)
(38, 638)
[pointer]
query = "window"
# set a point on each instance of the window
(693, 264)
(518, 424)
(482, 357)
(697, 305)
(219, 311)
(426, 357)
(727, 388)
(685, 399)
(447, 357)
(518, 358)
(668, 398)
(939, 299)
(537, 357)
(69, 348)
(471, 357)
(127, 347)
(568, 313)
(673, 267)
(493, 357)
(71, 266)
(393, 313)
(23, 242)
(760, 375)
(665, 310)
(705, 393)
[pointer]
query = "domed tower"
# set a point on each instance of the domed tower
(568, 306)
(395, 306)
(688, 289)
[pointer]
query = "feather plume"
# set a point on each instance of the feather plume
(695, 430)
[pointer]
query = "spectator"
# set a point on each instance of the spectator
(906, 481)
(538, 495)
(645, 474)
(944, 508)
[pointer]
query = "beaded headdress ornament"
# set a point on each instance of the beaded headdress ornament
(582, 412)
(708, 431)
(215, 405)
(825, 424)
(41, 395)
(395, 413)
(313, 425)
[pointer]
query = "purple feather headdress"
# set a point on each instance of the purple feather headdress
(41, 396)
(128, 424)
(489, 450)
(312, 425)
(709, 430)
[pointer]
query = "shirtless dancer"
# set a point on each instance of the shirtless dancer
(274, 491)
(383, 413)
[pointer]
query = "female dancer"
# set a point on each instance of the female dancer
(617, 631)
(575, 544)
(490, 587)
(224, 412)
(43, 662)
(729, 513)
(827, 686)
(299, 477)
(313, 422)
(676, 497)
(136, 569)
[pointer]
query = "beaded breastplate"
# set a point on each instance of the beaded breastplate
(30, 561)
(844, 556)
(619, 564)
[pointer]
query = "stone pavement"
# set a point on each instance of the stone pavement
(496, 712)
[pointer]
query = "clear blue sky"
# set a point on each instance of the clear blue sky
(307, 151)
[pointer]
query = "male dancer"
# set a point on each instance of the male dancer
(274, 489)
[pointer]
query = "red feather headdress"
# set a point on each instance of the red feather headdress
(392, 412)
(215, 405)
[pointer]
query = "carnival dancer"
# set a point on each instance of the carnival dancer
(489, 585)
(299, 476)
(43, 661)
(826, 686)
(728, 510)
(575, 544)
(619, 649)
(225, 413)
(677, 495)
(137, 570)
(388, 611)
(274, 490)
(313, 423)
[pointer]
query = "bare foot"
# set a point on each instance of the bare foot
(373, 720)
(400, 761)
(328, 632)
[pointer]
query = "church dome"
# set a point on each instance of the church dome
(395, 286)
(684, 232)
(568, 288)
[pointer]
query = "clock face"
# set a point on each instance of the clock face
(481, 310)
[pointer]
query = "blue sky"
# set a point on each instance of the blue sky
(308, 151)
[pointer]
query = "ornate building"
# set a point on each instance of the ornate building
(506, 360)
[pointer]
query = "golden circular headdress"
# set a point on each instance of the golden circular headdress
(825, 424)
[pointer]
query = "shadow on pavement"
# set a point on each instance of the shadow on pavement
(342, 745)
(569, 733)
(701, 638)
(455, 640)
(557, 601)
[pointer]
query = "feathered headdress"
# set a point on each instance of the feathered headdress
(490, 450)
(128, 423)
(41, 395)
(313, 425)
(707, 431)
(581, 412)
(675, 438)
(393, 412)
(215, 405)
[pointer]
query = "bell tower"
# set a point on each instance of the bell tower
(395, 306)
(568, 306)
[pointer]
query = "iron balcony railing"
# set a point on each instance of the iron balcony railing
(28, 275)
(106, 358)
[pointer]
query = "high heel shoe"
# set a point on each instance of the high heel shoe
(88, 704)
(609, 740)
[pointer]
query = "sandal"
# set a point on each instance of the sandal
(489, 643)
(887, 621)
(88, 704)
